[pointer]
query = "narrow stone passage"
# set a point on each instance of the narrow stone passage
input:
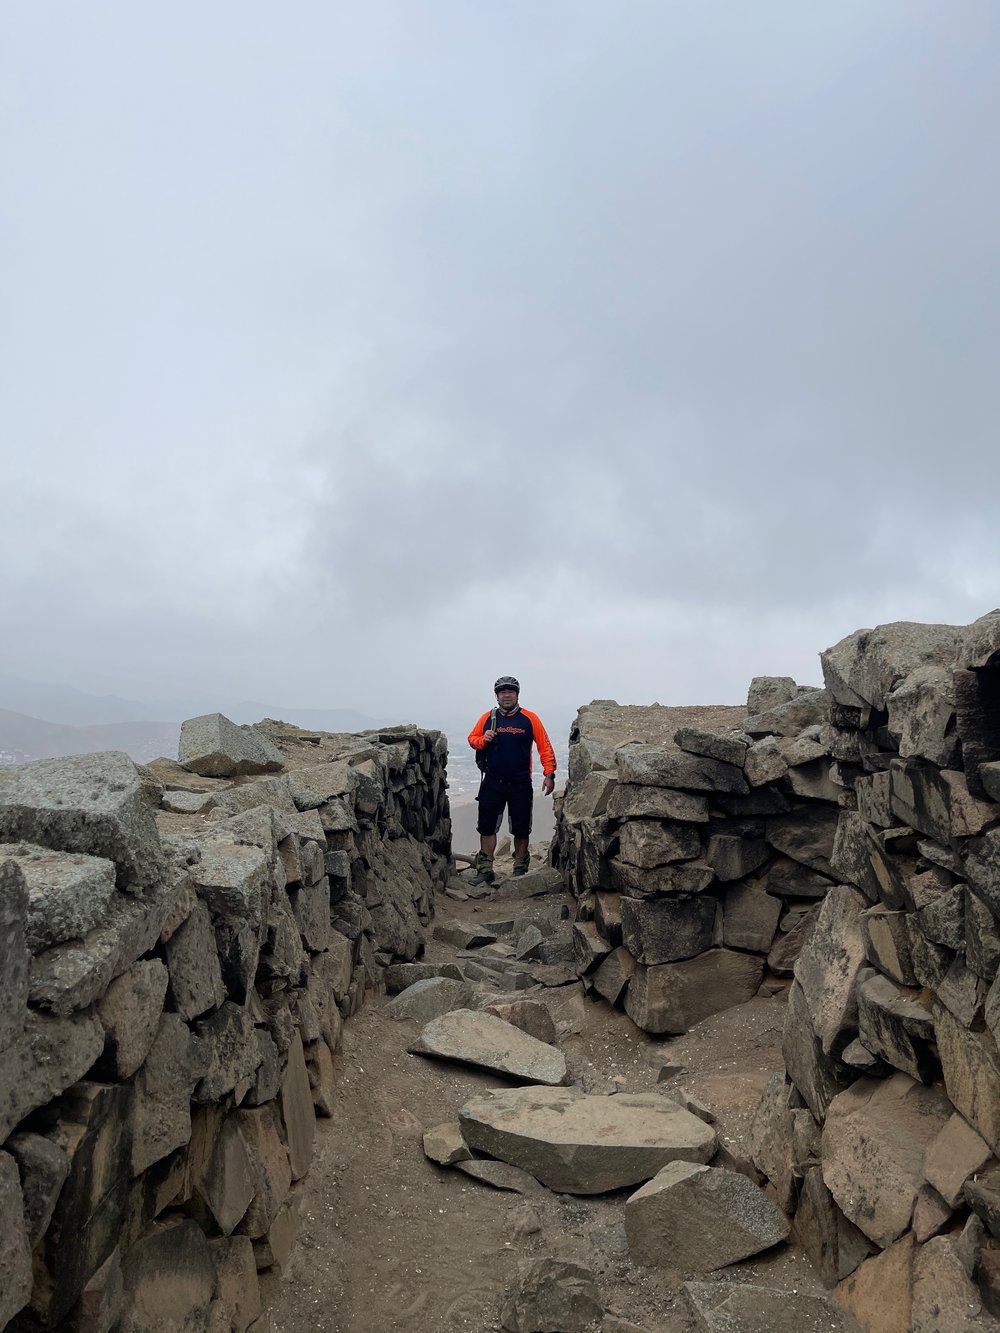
(391, 1241)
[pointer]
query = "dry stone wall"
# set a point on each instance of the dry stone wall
(179, 948)
(845, 840)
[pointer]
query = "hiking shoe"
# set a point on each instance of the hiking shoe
(521, 864)
(483, 866)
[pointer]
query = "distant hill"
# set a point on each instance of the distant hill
(23, 738)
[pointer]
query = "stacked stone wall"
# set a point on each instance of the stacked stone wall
(179, 949)
(881, 1138)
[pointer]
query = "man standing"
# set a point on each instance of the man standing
(504, 737)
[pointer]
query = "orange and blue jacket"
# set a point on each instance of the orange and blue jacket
(509, 755)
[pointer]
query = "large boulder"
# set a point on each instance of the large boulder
(650, 766)
(663, 930)
(214, 747)
(697, 1218)
(91, 803)
(863, 668)
(828, 967)
(672, 997)
(581, 1144)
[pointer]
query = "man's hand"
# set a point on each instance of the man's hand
(548, 785)
(488, 736)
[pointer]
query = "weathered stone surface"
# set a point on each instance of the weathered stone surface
(930, 1214)
(834, 1245)
(768, 692)
(217, 748)
(764, 762)
(788, 944)
(805, 837)
(614, 974)
(864, 667)
(734, 857)
(130, 1015)
(429, 999)
(15, 957)
(750, 918)
(43, 1167)
(490, 1043)
(878, 1293)
(944, 1298)
(790, 879)
(632, 801)
(103, 1298)
(691, 877)
(297, 1110)
(663, 930)
(463, 936)
(444, 1144)
(528, 1015)
(818, 1077)
(731, 1307)
(874, 1140)
(163, 1091)
(896, 1024)
(316, 784)
(651, 842)
(588, 799)
(982, 865)
(226, 1185)
(982, 938)
(581, 1144)
(922, 715)
(850, 860)
(193, 965)
(887, 943)
(962, 992)
(589, 946)
(169, 1280)
(552, 1296)
(238, 1288)
(269, 1163)
(651, 767)
(68, 893)
(806, 709)
(672, 997)
(398, 976)
(957, 1153)
(971, 1066)
(15, 1255)
(697, 1218)
(501, 1175)
(228, 1050)
(51, 1054)
(982, 1193)
(91, 803)
(770, 1140)
(828, 966)
(727, 749)
(920, 798)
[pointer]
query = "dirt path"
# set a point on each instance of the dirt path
(390, 1242)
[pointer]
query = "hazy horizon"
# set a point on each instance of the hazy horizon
(357, 355)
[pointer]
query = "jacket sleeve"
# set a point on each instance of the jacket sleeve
(545, 751)
(476, 734)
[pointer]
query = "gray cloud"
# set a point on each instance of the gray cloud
(353, 357)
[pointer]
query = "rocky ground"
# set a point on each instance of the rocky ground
(391, 1241)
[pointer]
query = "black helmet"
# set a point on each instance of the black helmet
(506, 683)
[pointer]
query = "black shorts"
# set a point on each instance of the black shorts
(495, 795)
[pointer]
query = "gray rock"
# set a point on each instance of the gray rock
(887, 943)
(613, 975)
(737, 1307)
(463, 936)
(807, 837)
(130, 1015)
(790, 879)
(398, 976)
(817, 1076)
(193, 965)
(672, 997)
(488, 1042)
(807, 709)
(989, 776)
(971, 1066)
(91, 803)
(733, 857)
(444, 1144)
(664, 930)
(428, 999)
(652, 767)
(217, 748)
(691, 877)
(163, 1091)
(552, 1296)
(169, 1279)
(834, 1245)
(697, 1218)
(727, 749)
(764, 762)
(188, 802)
(50, 1055)
(15, 1255)
(828, 966)
(228, 1051)
(528, 1015)
(750, 918)
(648, 842)
(874, 1141)
(784, 952)
(588, 799)
(922, 715)
(15, 957)
(318, 784)
(579, 1144)
(632, 801)
(297, 1113)
(501, 1175)
(43, 1168)
(767, 692)
(863, 668)
(896, 1024)
(68, 893)
(957, 1154)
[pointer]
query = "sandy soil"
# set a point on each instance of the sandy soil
(391, 1242)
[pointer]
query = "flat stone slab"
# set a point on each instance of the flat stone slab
(430, 998)
(501, 1175)
(730, 1307)
(579, 1144)
(476, 1038)
(696, 1218)
(217, 748)
(68, 892)
(91, 803)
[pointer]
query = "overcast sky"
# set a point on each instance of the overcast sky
(354, 354)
